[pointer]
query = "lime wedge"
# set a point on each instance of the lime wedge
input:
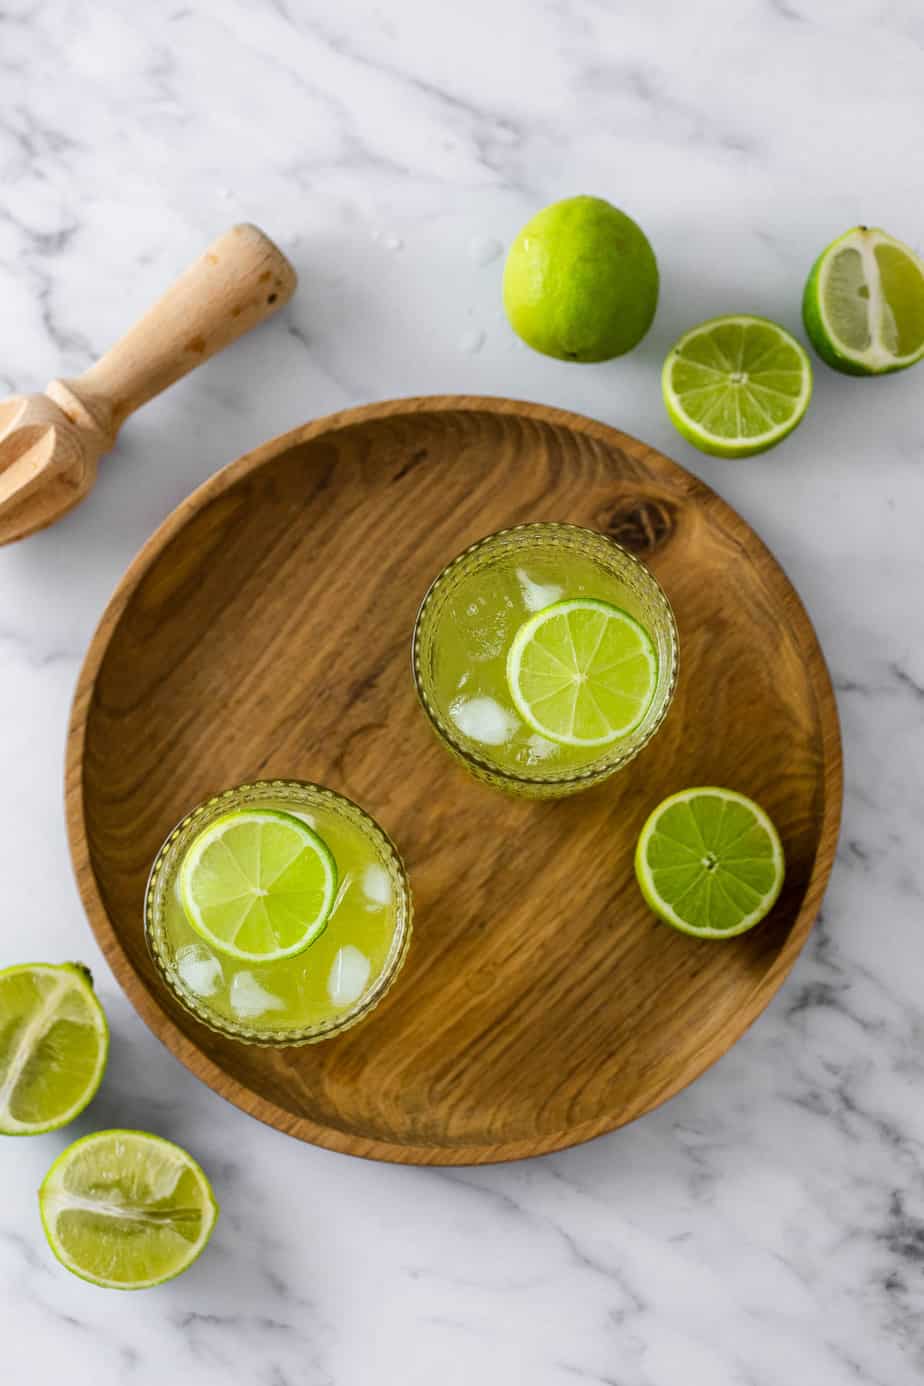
(258, 885)
(54, 1041)
(709, 861)
(736, 386)
(863, 304)
(126, 1210)
(582, 672)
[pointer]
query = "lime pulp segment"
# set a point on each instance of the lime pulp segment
(54, 1041)
(736, 386)
(582, 672)
(863, 305)
(709, 861)
(258, 884)
(126, 1210)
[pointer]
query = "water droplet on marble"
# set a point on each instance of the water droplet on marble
(472, 341)
(484, 249)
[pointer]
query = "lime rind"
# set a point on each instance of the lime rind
(232, 896)
(749, 891)
(846, 280)
(563, 673)
(57, 1199)
(67, 978)
(699, 369)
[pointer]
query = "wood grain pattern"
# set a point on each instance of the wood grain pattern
(265, 630)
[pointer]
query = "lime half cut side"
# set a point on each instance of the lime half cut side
(582, 672)
(126, 1210)
(54, 1041)
(863, 304)
(258, 885)
(736, 386)
(709, 861)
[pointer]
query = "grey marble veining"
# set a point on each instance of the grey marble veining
(766, 1227)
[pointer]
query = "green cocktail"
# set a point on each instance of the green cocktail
(207, 923)
(545, 657)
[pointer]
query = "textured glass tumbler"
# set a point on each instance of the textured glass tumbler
(467, 621)
(335, 982)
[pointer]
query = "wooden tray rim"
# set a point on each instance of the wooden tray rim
(145, 1002)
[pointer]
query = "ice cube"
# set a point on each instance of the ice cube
(538, 595)
(539, 749)
(348, 976)
(483, 720)
(200, 971)
(249, 999)
(376, 886)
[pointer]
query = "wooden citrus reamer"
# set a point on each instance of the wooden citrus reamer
(51, 444)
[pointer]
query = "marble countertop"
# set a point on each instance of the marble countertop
(766, 1227)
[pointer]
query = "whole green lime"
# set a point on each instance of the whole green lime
(581, 281)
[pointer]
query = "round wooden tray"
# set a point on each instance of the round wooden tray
(265, 629)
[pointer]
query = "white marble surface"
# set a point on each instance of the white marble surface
(766, 1227)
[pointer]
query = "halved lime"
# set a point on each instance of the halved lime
(54, 1042)
(709, 861)
(258, 885)
(126, 1210)
(736, 386)
(863, 305)
(582, 672)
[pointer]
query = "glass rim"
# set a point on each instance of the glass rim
(595, 770)
(299, 1035)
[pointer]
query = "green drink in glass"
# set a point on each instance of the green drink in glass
(278, 913)
(545, 657)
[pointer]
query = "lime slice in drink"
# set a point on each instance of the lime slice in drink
(54, 1041)
(736, 386)
(126, 1210)
(863, 305)
(582, 672)
(709, 861)
(258, 885)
